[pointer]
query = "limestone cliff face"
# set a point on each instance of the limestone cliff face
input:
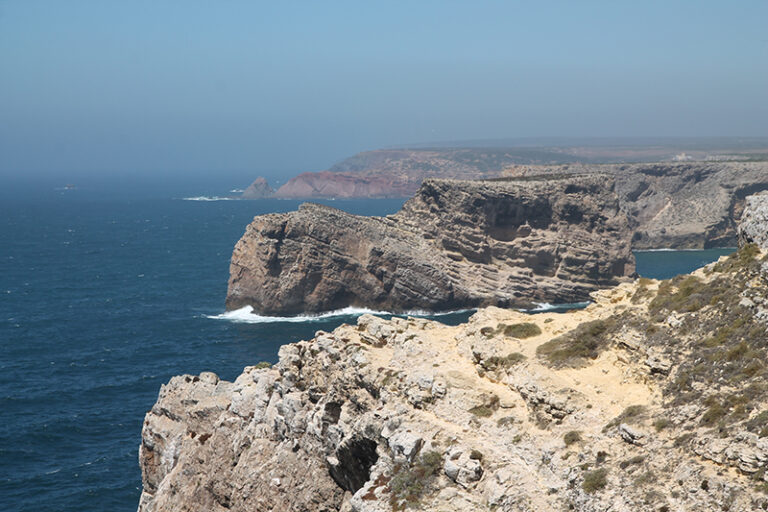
(651, 399)
(754, 223)
(669, 204)
(678, 205)
(455, 244)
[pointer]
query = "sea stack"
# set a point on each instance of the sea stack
(259, 189)
(456, 244)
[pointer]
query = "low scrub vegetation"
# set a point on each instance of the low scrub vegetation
(409, 483)
(572, 437)
(575, 348)
(521, 330)
(631, 415)
(595, 480)
(497, 362)
(486, 409)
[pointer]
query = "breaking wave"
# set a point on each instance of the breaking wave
(544, 307)
(245, 315)
(209, 198)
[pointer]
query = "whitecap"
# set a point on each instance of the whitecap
(246, 315)
(209, 198)
(543, 307)
(669, 249)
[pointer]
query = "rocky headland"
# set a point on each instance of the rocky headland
(455, 244)
(653, 398)
(682, 205)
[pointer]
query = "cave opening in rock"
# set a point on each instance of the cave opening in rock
(352, 467)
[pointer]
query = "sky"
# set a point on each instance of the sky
(247, 88)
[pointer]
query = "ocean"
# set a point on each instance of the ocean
(102, 300)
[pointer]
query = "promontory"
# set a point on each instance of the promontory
(456, 244)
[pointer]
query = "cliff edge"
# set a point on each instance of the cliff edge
(653, 398)
(456, 244)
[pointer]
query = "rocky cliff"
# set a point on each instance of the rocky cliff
(456, 244)
(677, 205)
(259, 189)
(651, 399)
(754, 223)
(670, 204)
(399, 172)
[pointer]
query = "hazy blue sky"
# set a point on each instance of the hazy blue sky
(263, 87)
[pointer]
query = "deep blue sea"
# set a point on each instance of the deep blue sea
(102, 300)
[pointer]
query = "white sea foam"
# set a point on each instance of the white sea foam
(542, 307)
(209, 198)
(668, 249)
(245, 315)
(237, 191)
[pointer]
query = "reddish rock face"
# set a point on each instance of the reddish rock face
(455, 244)
(346, 185)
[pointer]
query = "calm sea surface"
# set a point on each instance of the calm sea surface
(101, 302)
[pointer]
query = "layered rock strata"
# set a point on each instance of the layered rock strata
(456, 244)
(669, 204)
(682, 205)
(651, 399)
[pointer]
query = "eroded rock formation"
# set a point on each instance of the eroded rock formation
(754, 223)
(259, 189)
(456, 244)
(651, 399)
(682, 205)
(669, 204)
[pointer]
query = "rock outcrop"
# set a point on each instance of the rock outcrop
(669, 204)
(259, 189)
(397, 172)
(682, 205)
(456, 244)
(754, 223)
(508, 412)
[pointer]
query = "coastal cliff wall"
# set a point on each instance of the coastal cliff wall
(669, 204)
(653, 398)
(456, 244)
(684, 205)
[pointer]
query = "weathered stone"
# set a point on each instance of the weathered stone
(631, 435)
(754, 224)
(575, 241)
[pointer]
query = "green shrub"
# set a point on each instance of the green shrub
(714, 414)
(409, 483)
(637, 459)
(482, 411)
(574, 436)
(487, 408)
(522, 330)
(739, 260)
(595, 480)
(758, 424)
(660, 424)
(263, 365)
(586, 341)
(632, 414)
(507, 361)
